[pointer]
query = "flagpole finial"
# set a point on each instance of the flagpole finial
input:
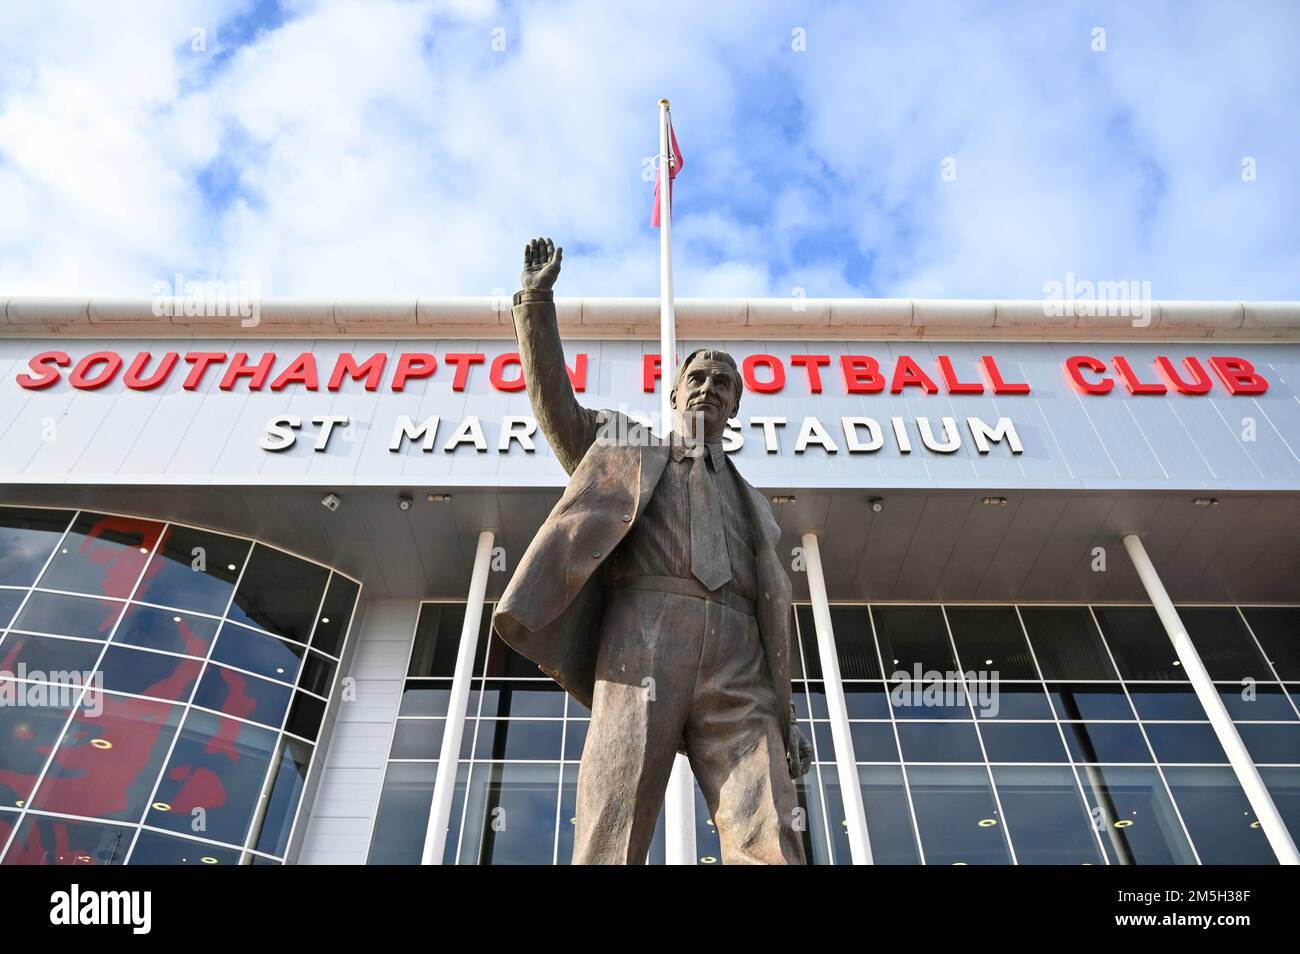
(663, 102)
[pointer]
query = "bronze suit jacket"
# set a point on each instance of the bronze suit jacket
(552, 609)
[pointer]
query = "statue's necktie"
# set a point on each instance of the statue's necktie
(709, 561)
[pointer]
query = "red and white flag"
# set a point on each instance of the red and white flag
(674, 168)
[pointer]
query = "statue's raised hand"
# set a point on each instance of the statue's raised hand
(541, 265)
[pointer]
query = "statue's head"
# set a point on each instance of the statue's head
(706, 393)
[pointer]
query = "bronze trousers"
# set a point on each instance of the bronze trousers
(670, 668)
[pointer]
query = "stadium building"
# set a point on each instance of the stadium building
(1046, 558)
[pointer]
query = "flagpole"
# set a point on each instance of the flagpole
(679, 799)
(667, 316)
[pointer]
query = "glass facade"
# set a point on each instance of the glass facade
(162, 689)
(982, 734)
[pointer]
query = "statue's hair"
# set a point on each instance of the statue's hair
(711, 354)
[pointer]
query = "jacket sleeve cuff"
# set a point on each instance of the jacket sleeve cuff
(526, 295)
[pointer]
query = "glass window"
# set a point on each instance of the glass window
(815, 701)
(1278, 630)
(501, 659)
(425, 698)
(68, 615)
(452, 850)
(1184, 742)
(1023, 742)
(149, 674)
(1166, 701)
(109, 724)
(866, 700)
(437, 639)
(1089, 701)
(305, 716)
(418, 738)
(519, 698)
(854, 644)
(279, 593)
(708, 843)
(799, 696)
(1106, 742)
(10, 600)
(102, 555)
(510, 814)
(153, 848)
(989, 639)
(335, 615)
(956, 816)
(282, 802)
(317, 674)
(820, 736)
(108, 760)
(402, 819)
(1016, 700)
(873, 742)
(814, 835)
(575, 737)
(1271, 743)
(912, 636)
(1254, 702)
(889, 827)
(803, 645)
(27, 538)
(1045, 816)
(1134, 815)
(1141, 646)
(246, 697)
(939, 742)
(568, 815)
(1223, 642)
(1067, 643)
(214, 778)
(194, 569)
(167, 630)
(1218, 817)
(47, 659)
(42, 840)
(1284, 785)
(258, 653)
(27, 734)
(518, 739)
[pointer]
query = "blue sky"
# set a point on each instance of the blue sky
(341, 148)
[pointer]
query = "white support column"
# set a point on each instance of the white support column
(435, 836)
(679, 814)
(845, 763)
(1247, 774)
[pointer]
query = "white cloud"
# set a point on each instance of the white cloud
(387, 148)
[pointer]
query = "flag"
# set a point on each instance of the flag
(675, 168)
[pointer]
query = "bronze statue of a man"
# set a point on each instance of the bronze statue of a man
(654, 595)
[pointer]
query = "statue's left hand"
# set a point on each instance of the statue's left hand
(798, 753)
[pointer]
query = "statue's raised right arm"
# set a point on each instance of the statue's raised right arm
(569, 427)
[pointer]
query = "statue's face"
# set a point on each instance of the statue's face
(707, 392)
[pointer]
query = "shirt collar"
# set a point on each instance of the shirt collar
(680, 450)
